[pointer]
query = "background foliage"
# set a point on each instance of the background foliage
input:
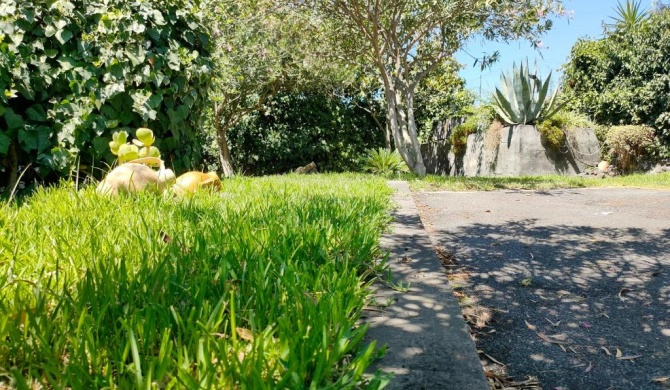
(74, 71)
(624, 78)
(296, 129)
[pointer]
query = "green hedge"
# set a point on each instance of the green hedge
(296, 129)
(74, 71)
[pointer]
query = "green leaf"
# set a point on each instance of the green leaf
(63, 36)
(13, 121)
(28, 139)
(43, 138)
(100, 145)
(50, 31)
(36, 113)
(5, 141)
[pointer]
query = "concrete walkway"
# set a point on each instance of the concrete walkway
(429, 344)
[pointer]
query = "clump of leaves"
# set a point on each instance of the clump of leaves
(105, 66)
(552, 131)
(627, 145)
(383, 161)
(460, 133)
(628, 15)
(555, 128)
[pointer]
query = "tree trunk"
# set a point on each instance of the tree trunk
(420, 167)
(387, 135)
(224, 151)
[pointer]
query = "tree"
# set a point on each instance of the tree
(262, 47)
(406, 39)
(441, 96)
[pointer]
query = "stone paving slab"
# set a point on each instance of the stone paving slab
(429, 343)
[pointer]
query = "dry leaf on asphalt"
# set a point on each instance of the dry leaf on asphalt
(589, 368)
(623, 292)
(607, 351)
(661, 379)
(491, 358)
(530, 326)
(632, 357)
(619, 353)
(554, 324)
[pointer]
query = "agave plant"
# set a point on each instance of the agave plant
(523, 98)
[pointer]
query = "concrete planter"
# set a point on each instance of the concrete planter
(521, 152)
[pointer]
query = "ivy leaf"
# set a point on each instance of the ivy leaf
(111, 90)
(28, 139)
(63, 36)
(50, 31)
(36, 113)
(4, 143)
(13, 121)
(100, 145)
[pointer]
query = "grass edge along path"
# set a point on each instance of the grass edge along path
(548, 182)
(257, 287)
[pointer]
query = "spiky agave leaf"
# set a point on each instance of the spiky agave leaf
(522, 98)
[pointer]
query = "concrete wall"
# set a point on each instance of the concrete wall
(520, 152)
(439, 159)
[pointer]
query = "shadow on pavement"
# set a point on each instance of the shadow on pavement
(590, 290)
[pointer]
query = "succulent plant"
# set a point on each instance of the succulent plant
(145, 136)
(524, 97)
(141, 147)
(128, 153)
(118, 138)
(150, 151)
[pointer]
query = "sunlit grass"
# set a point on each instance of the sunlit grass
(442, 183)
(258, 287)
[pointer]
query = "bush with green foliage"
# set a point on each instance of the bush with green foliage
(72, 72)
(383, 161)
(554, 128)
(481, 118)
(624, 77)
(627, 145)
(296, 129)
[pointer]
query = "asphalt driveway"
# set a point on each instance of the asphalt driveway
(577, 281)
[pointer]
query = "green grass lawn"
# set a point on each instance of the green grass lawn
(256, 287)
(442, 183)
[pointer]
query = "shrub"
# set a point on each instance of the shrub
(296, 129)
(627, 145)
(460, 133)
(554, 128)
(624, 77)
(384, 162)
(72, 72)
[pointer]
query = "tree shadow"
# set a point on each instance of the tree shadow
(597, 290)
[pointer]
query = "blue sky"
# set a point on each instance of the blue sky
(586, 22)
